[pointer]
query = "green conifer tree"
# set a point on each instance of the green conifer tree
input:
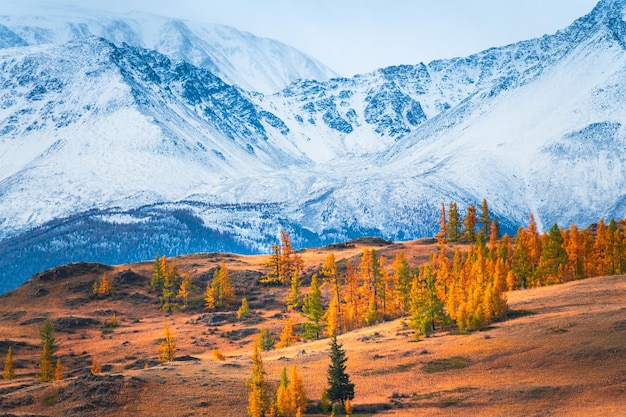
(313, 311)
(340, 388)
(48, 349)
(266, 343)
(554, 258)
(484, 221)
(454, 223)
(294, 299)
(156, 281)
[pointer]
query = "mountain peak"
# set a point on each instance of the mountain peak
(606, 15)
(240, 58)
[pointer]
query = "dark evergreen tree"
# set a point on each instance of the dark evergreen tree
(294, 298)
(553, 257)
(454, 223)
(266, 343)
(156, 281)
(340, 388)
(484, 221)
(313, 311)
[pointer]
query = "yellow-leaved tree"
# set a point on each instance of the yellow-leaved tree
(220, 293)
(48, 349)
(287, 337)
(259, 397)
(167, 348)
(58, 370)
(9, 372)
(296, 391)
(95, 366)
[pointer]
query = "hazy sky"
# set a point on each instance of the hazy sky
(356, 36)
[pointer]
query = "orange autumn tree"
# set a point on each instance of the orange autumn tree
(220, 293)
(283, 262)
(351, 299)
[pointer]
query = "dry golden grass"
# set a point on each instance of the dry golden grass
(562, 354)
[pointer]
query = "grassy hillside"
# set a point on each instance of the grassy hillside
(562, 350)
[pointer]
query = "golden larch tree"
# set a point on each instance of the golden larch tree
(9, 371)
(283, 399)
(58, 370)
(48, 349)
(46, 370)
(291, 261)
(470, 223)
(244, 309)
(167, 348)
(95, 365)
(105, 286)
(332, 317)
(220, 293)
(185, 289)
(259, 397)
(296, 391)
(351, 298)
(287, 337)
(329, 271)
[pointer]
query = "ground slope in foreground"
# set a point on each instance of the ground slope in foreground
(562, 351)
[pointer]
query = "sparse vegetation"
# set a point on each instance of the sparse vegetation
(50, 400)
(102, 287)
(442, 365)
(218, 356)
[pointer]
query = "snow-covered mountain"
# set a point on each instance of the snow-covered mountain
(114, 150)
(239, 58)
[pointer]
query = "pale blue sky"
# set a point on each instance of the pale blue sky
(356, 36)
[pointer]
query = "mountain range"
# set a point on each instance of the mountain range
(126, 136)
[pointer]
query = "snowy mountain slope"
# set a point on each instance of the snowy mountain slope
(369, 113)
(554, 144)
(110, 152)
(239, 58)
(481, 125)
(77, 119)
